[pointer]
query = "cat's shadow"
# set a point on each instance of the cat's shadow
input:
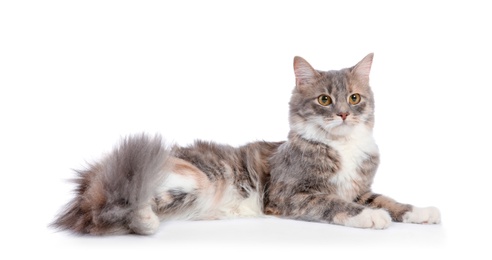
(281, 232)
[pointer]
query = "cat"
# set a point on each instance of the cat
(322, 173)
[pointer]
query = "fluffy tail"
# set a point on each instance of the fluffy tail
(111, 193)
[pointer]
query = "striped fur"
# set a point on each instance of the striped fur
(143, 182)
(323, 172)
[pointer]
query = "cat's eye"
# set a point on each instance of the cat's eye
(324, 100)
(354, 99)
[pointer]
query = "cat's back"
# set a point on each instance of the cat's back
(213, 158)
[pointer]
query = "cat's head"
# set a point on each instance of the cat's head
(331, 104)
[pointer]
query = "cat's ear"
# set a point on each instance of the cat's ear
(304, 72)
(363, 68)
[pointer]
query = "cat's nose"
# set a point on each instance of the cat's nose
(343, 115)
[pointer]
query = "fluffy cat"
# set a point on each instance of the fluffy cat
(322, 173)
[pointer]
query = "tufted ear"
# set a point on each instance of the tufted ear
(304, 72)
(362, 69)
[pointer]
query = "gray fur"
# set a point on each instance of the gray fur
(217, 169)
(248, 163)
(111, 191)
(300, 185)
(126, 191)
(303, 167)
(133, 171)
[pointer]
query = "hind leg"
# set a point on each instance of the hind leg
(184, 194)
(144, 221)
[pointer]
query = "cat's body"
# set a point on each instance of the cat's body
(322, 173)
(202, 181)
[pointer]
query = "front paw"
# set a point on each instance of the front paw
(429, 215)
(370, 218)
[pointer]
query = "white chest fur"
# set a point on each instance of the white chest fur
(352, 151)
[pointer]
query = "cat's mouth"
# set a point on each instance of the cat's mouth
(338, 125)
(337, 122)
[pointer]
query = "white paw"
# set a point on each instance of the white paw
(429, 215)
(145, 222)
(370, 218)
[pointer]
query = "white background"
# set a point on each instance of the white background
(77, 76)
